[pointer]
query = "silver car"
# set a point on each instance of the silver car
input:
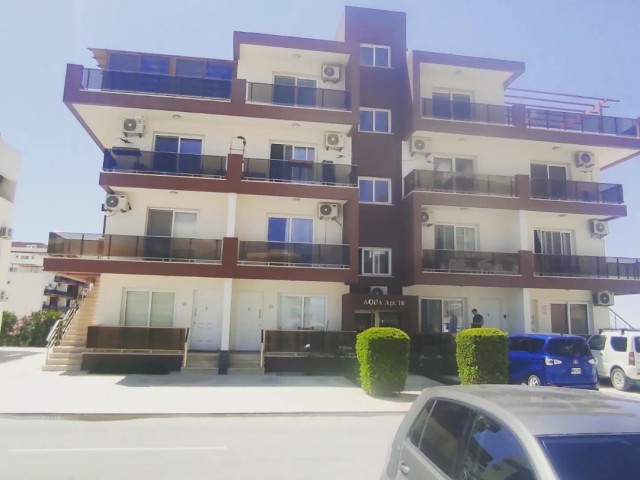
(512, 432)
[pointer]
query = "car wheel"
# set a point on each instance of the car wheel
(534, 381)
(619, 380)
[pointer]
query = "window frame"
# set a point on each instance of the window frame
(173, 221)
(373, 181)
(289, 219)
(374, 250)
(443, 310)
(455, 236)
(373, 112)
(294, 145)
(302, 297)
(619, 337)
(373, 48)
(543, 242)
(150, 291)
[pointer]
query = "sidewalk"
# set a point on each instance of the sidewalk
(26, 389)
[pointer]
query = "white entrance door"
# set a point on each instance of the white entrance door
(206, 323)
(248, 321)
(489, 308)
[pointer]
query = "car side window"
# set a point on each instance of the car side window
(443, 433)
(517, 345)
(636, 341)
(415, 432)
(619, 344)
(597, 342)
(534, 344)
(493, 451)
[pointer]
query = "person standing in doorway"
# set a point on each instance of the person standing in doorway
(453, 322)
(478, 320)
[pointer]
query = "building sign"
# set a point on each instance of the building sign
(381, 303)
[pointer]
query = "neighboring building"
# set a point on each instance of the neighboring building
(319, 184)
(9, 169)
(30, 288)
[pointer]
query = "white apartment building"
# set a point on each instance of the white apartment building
(9, 169)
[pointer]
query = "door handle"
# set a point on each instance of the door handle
(404, 468)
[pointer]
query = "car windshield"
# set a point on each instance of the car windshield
(568, 346)
(594, 457)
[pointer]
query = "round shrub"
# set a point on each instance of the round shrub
(481, 354)
(383, 355)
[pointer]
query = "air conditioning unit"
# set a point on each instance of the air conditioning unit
(378, 290)
(331, 73)
(425, 217)
(115, 203)
(598, 228)
(335, 140)
(585, 160)
(6, 232)
(420, 145)
(133, 126)
(603, 299)
(3, 296)
(328, 210)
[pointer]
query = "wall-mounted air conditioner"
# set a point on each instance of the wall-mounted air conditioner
(116, 203)
(420, 146)
(133, 126)
(603, 298)
(378, 290)
(598, 228)
(328, 210)
(331, 73)
(6, 232)
(335, 140)
(585, 160)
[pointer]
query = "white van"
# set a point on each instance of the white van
(618, 354)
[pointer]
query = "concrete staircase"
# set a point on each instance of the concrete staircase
(201, 362)
(67, 356)
(247, 363)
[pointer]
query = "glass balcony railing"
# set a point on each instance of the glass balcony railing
(132, 160)
(467, 111)
(294, 96)
(309, 342)
(580, 122)
(156, 84)
(576, 191)
(457, 261)
(299, 172)
(430, 181)
(587, 266)
(131, 247)
(299, 254)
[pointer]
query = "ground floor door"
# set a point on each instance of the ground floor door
(570, 318)
(206, 323)
(489, 308)
(559, 320)
(248, 321)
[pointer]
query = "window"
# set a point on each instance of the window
(374, 190)
(494, 451)
(154, 64)
(597, 342)
(190, 68)
(456, 106)
(375, 55)
(549, 181)
(170, 223)
(149, 309)
(301, 153)
(286, 229)
(552, 242)
(294, 91)
(124, 62)
(453, 237)
(436, 314)
(294, 162)
(619, 344)
(416, 430)
(375, 261)
(177, 154)
(302, 312)
(374, 120)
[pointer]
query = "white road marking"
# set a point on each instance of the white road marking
(111, 449)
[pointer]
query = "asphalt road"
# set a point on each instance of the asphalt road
(249, 447)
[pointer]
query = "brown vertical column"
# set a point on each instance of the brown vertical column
(230, 246)
(525, 259)
(350, 234)
(523, 189)
(519, 115)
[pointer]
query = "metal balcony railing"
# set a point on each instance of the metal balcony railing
(451, 182)
(298, 254)
(132, 160)
(294, 96)
(580, 122)
(299, 172)
(156, 84)
(131, 247)
(587, 266)
(576, 191)
(457, 261)
(467, 111)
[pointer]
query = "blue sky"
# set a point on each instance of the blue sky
(586, 47)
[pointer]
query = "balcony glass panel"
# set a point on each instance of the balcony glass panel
(303, 254)
(587, 266)
(299, 172)
(163, 163)
(575, 191)
(97, 246)
(298, 96)
(580, 122)
(155, 83)
(470, 262)
(445, 107)
(452, 182)
(304, 342)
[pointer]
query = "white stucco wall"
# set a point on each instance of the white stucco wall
(484, 86)
(26, 291)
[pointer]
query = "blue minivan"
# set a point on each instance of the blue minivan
(551, 359)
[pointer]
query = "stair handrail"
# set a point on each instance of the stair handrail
(613, 316)
(186, 348)
(59, 329)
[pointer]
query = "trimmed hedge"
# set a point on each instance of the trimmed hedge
(383, 355)
(481, 354)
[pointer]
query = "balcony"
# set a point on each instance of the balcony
(294, 96)
(450, 182)
(299, 172)
(155, 84)
(293, 254)
(590, 192)
(455, 261)
(587, 266)
(467, 112)
(580, 122)
(130, 160)
(131, 247)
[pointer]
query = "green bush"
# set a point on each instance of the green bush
(28, 331)
(481, 354)
(383, 355)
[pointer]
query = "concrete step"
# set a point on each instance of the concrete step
(245, 371)
(61, 368)
(73, 343)
(68, 349)
(201, 371)
(64, 364)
